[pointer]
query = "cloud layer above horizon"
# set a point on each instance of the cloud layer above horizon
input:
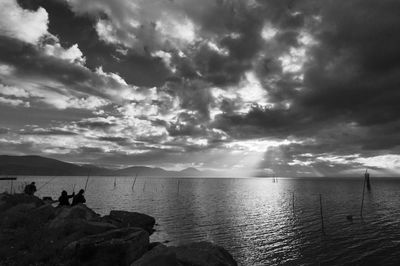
(293, 88)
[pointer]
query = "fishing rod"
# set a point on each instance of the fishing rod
(87, 180)
(133, 185)
(73, 189)
(46, 183)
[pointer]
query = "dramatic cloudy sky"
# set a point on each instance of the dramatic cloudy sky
(307, 87)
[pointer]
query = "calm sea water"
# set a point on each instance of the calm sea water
(254, 218)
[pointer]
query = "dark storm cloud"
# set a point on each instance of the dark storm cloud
(186, 125)
(237, 50)
(113, 139)
(353, 75)
(122, 141)
(355, 69)
(95, 124)
(90, 150)
(47, 132)
(326, 76)
(137, 69)
(31, 63)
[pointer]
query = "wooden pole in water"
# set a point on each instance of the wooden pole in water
(322, 215)
(179, 182)
(362, 200)
(293, 201)
(144, 186)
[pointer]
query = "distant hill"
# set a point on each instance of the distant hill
(37, 165)
(141, 171)
(191, 171)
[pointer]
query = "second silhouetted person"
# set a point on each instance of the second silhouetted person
(79, 198)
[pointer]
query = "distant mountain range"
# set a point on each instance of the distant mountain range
(37, 165)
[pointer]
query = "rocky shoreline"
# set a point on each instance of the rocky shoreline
(34, 232)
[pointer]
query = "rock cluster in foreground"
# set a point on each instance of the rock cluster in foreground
(35, 233)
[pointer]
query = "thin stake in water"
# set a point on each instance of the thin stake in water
(179, 182)
(293, 201)
(322, 215)
(115, 182)
(362, 200)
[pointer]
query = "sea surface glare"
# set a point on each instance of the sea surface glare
(254, 218)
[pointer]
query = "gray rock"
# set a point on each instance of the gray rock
(44, 213)
(203, 254)
(115, 247)
(160, 255)
(77, 212)
(17, 216)
(9, 200)
(131, 219)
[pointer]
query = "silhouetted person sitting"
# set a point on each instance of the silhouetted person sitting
(30, 189)
(79, 198)
(64, 198)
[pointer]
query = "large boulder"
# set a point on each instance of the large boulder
(203, 254)
(9, 200)
(17, 216)
(131, 219)
(44, 213)
(79, 211)
(69, 215)
(73, 223)
(68, 230)
(160, 255)
(115, 247)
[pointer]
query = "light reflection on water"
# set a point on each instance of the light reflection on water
(253, 218)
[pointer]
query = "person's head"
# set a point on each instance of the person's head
(81, 191)
(64, 193)
(32, 183)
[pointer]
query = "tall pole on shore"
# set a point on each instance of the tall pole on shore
(322, 215)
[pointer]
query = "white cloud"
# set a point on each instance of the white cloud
(25, 25)
(388, 161)
(14, 102)
(268, 32)
(166, 57)
(13, 91)
(106, 31)
(72, 54)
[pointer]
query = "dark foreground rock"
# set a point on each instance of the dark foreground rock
(35, 233)
(131, 219)
(115, 247)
